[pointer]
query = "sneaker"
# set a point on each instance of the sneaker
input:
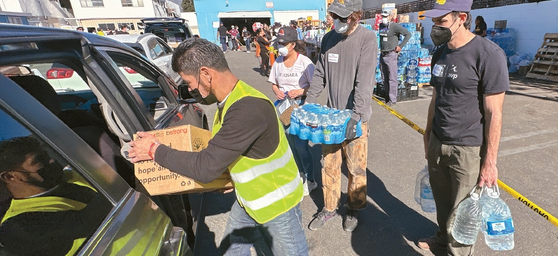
(351, 220)
(311, 185)
(430, 243)
(320, 219)
(247, 51)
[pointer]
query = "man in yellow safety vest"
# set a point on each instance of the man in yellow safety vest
(249, 141)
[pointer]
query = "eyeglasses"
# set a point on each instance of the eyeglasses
(337, 17)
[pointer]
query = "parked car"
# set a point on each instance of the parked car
(153, 48)
(87, 131)
(172, 30)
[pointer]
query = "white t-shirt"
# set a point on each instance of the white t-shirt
(296, 77)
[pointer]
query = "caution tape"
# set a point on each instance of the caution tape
(503, 185)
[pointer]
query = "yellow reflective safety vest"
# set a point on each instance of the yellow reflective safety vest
(267, 187)
(51, 204)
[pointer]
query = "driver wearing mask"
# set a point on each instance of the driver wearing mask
(48, 210)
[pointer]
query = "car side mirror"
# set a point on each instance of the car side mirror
(184, 94)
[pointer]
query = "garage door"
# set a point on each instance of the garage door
(286, 16)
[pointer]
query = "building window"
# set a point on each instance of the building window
(91, 3)
(132, 3)
(130, 25)
(15, 20)
(106, 26)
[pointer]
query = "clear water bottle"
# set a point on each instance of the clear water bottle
(336, 134)
(426, 197)
(304, 129)
(314, 128)
(420, 175)
(497, 225)
(326, 128)
(467, 220)
(295, 125)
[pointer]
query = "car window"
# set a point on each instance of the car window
(61, 77)
(156, 49)
(46, 205)
(145, 82)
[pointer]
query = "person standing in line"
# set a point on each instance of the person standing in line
(329, 23)
(247, 40)
(222, 33)
(290, 77)
(480, 26)
(346, 65)
(234, 38)
(100, 32)
(252, 147)
(462, 135)
(264, 52)
(80, 29)
(390, 47)
(123, 30)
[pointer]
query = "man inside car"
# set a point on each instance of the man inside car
(52, 210)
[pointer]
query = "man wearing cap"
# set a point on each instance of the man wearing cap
(345, 66)
(390, 47)
(461, 140)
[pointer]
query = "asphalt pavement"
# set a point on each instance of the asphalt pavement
(392, 222)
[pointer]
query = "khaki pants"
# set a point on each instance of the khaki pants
(454, 171)
(356, 155)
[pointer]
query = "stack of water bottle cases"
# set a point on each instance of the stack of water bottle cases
(320, 124)
(486, 212)
(413, 66)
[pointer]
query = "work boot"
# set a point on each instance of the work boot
(321, 218)
(351, 220)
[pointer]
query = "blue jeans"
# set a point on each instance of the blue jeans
(302, 155)
(247, 41)
(223, 40)
(284, 234)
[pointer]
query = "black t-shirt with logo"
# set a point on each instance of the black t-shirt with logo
(461, 77)
(222, 31)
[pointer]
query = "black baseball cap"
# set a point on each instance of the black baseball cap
(344, 8)
(286, 35)
(443, 7)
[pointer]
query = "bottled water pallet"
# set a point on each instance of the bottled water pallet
(545, 65)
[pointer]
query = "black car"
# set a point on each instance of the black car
(87, 131)
(172, 30)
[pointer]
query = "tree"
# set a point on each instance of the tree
(188, 6)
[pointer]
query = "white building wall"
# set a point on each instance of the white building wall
(192, 20)
(113, 9)
(10, 6)
(529, 22)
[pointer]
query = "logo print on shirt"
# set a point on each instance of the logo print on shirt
(452, 75)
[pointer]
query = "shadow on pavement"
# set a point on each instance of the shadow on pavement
(391, 227)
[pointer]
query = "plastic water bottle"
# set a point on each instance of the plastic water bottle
(497, 225)
(467, 220)
(314, 128)
(304, 129)
(326, 128)
(420, 175)
(426, 197)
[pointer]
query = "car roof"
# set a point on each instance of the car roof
(163, 19)
(10, 33)
(126, 38)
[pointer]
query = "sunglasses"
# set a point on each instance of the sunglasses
(336, 17)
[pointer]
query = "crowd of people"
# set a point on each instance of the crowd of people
(271, 169)
(461, 138)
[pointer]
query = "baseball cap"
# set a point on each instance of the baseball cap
(386, 13)
(344, 8)
(286, 35)
(443, 7)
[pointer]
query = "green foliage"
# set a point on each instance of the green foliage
(188, 6)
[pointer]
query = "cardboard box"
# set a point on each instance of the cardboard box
(157, 180)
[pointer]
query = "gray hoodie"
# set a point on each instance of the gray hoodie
(347, 66)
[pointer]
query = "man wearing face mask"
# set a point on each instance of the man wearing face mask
(346, 64)
(248, 140)
(390, 47)
(462, 135)
(47, 203)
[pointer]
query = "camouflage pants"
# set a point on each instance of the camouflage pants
(356, 154)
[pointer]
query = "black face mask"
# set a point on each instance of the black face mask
(210, 99)
(441, 35)
(51, 173)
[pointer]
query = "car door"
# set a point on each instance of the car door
(91, 210)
